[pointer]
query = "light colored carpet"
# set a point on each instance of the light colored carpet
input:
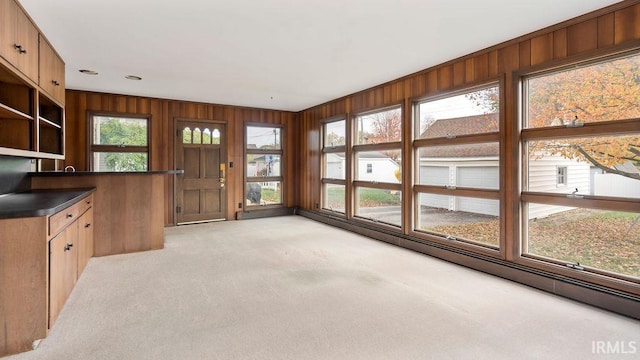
(292, 288)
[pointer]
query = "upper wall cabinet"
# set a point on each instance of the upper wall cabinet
(51, 71)
(31, 89)
(18, 39)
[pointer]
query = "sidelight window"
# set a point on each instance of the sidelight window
(263, 165)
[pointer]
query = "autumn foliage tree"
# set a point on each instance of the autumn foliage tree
(602, 92)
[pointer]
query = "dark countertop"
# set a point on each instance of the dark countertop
(39, 202)
(94, 173)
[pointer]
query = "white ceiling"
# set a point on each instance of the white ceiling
(276, 54)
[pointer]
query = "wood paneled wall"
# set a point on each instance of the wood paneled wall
(163, 115)
(604, 31)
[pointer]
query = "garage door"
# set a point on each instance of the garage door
(434, 175)
(481, 177)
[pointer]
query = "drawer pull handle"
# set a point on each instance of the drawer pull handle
(87, 225)
(68, 247)
(69, 215)
(55, 82)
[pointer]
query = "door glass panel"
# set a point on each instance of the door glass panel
(186, 136)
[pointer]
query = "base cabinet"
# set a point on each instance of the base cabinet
(41, 258)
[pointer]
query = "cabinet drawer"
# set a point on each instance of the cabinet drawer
(60, 220)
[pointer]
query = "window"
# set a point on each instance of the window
(119, 143)
(334, 160)
(583, 119)
(561, 172)
(263, 165)
(377, 144)
(457, 152)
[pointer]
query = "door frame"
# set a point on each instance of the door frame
(175, 135)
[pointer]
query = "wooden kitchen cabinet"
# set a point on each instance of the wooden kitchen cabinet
(18, 39)
(51, 71)
(32, 89)
(41, 258)
(69, 238)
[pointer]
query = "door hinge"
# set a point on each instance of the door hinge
(178, 133)
(178, 209)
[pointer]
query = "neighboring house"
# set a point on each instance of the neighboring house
(263, 166)
(372, 166)
(477, 166)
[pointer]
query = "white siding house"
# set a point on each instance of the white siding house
(372, 166)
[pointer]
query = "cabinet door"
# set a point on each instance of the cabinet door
(18, 39)
(8, 30)
(27, 37)
(85, 239)
(63, 267)
(51, 71)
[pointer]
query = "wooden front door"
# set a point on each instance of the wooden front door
(201, 152)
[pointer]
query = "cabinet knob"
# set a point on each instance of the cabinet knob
(55, 82)
(69, 215)
(87, 225)
(68, 247)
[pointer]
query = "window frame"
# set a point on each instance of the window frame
(263, 179)
(355, 185)
(93, 148)
(554, 132)
(456, 191)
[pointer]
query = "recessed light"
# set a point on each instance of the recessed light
(133, 77)
(88, 72)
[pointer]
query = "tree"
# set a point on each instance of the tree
(116, 131)
(606, 91)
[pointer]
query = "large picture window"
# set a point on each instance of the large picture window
(118, 143)
(581, 164)
(457, 167)
(263, 165)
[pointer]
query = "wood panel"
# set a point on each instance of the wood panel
(163, 114)
(626, 24)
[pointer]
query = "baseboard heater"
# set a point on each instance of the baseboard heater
(263, 213)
